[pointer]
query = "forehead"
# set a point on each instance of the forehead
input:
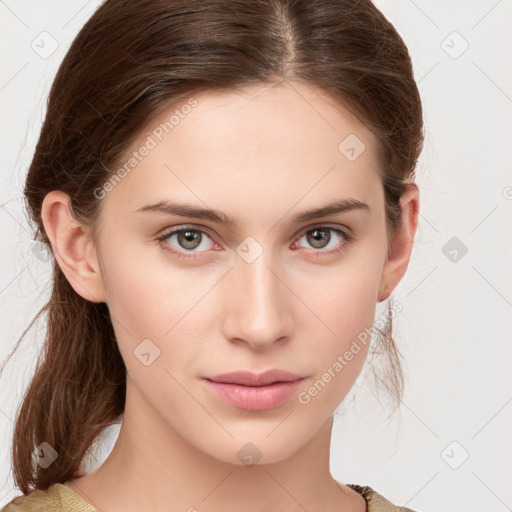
(256, 143)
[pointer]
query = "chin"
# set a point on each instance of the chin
(253, 451)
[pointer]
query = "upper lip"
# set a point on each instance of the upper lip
(255, 379)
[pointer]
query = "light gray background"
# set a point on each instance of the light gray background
(455, 327)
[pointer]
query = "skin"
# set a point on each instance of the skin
(260, 155)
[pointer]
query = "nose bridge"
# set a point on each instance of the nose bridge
(258, 305)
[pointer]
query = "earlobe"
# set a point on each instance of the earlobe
(403, 239)
(72, 246)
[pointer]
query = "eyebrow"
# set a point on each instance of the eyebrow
(218, 217)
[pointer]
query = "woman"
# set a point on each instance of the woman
(227, 189)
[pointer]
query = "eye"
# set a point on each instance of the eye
(190, 238)
(321, 236)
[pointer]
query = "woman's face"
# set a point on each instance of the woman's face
(270, 290)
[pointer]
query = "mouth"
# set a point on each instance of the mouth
(245, 378)
(254, 392)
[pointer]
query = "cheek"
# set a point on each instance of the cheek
(344, 303)
(156, 301)
(143, 290)
(344, 297)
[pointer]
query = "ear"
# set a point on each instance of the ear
(402, 241)
(72, 246)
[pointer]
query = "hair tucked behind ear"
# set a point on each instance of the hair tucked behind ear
(132, 60)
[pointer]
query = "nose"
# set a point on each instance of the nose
(258, 304)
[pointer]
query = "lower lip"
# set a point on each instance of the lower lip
(254, 398)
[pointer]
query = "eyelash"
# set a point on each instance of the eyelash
(348, 238)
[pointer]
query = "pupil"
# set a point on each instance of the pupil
(188, 239)
(317, 236)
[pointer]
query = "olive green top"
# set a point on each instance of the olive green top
(60, 498)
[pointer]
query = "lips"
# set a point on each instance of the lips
(254, 392)
(244, 378)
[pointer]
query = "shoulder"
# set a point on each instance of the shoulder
(375, 501)
(57, 498)
(39, 500)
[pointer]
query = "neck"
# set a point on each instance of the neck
(152, 467)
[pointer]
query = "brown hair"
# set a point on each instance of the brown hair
(131, 61)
